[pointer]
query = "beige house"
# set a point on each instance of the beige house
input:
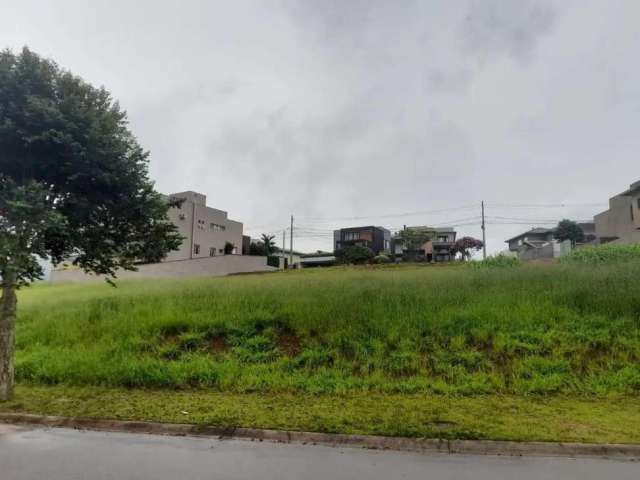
(206, 230)
(621, 223)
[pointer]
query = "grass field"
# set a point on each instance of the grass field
(367, 338)
(524, 330)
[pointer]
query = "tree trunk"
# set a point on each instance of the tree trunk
(8, 305)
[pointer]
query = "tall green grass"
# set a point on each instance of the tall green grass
(601, 254)
(533, 329)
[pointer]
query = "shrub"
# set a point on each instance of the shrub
(498, 261)
(355, 255)
(607, 253)
(381, 259)
(273, 261)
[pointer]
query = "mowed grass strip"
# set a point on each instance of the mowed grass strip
(614, 419)
(526, 330)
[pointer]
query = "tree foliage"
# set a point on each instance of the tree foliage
(568, 230)
(354, 255)
(268, 243)
(413, 239)
(73, 183)
(465, 246)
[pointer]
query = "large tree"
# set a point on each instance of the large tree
(73, 185)
(568, 230)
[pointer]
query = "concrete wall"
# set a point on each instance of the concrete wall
(537, 253)
(202, 267)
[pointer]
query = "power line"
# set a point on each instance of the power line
(393, 215)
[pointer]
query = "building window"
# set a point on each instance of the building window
(442, 238)
(182, 216)
(217, 228)
(221, 250)
(212, 252)
(201, 224)
(196, 249)
(349, 236)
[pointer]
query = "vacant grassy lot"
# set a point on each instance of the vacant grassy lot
(555, 329)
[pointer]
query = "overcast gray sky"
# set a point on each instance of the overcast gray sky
(332, 109)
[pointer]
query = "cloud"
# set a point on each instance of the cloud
(497, 27)
(365, 107)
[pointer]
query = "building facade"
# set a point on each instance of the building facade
(377, 239)
(540, 244)
(621, 222)
(206, 230)
(534, 238)
(438, 248)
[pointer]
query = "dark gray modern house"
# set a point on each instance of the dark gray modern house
(377, 239)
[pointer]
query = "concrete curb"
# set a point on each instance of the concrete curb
(470, 447)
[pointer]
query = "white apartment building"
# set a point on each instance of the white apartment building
(206, 230)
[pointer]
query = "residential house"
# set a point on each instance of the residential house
(438, 248)
(621, 222)
(206, 230)
(377, 239)
(538, 244)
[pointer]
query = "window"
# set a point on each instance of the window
(182, 216)
(196, 249)
(221, 250)
(217, 228)
(442, 238)
(212, 252)
(201, 224)
(349, 236)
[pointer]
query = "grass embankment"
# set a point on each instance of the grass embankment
(371, 350)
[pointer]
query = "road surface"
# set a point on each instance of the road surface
(57, 454)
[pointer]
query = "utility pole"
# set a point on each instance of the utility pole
(284, 246)
(291, 244)
(484, 236)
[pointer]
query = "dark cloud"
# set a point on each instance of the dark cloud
(356, 108)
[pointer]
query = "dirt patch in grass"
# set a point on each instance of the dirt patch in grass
(218, 344)
(289, 344)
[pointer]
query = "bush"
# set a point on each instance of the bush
(603, 254)
(381, 259)
(273, 261)
(355, 255)
(498, 261)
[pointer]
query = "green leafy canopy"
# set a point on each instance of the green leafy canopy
(73, 179)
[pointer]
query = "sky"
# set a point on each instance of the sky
(353, 112)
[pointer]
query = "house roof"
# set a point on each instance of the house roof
(362, 228)
(533, 231)
(635, 187)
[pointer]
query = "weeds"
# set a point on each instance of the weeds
(566, 328)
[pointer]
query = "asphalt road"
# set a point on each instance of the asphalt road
(57, 454)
